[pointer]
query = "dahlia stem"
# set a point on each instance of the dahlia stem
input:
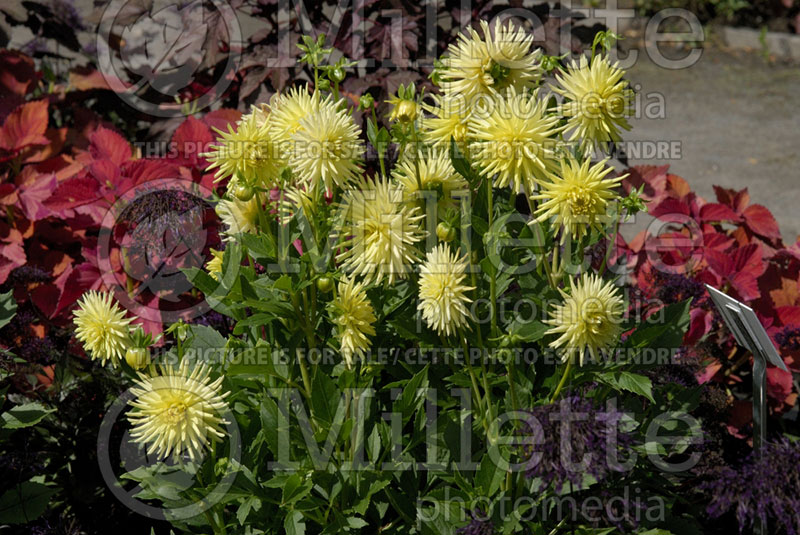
(380, 150)
(563, 381)
(512, 388)
(493, 277)
(476, 389)
(612, 244)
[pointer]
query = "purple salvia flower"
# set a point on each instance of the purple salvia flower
(763, 486)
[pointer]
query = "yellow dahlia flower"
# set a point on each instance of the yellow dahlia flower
(102, 328)
(261, 114)
(443, 292)
(177, 412)
(436, 174)
(238, 216)
(513, 139)
(598, 101)
(352, 313)
(589, 318)
(403, 110)
(290, 108)
(379, 232)
(294, 198)
(450, 121)
(214, 266)
(326, 149)
(249, 152)
(577, 197)
(501, 59)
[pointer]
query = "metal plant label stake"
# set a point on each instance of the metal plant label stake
(750, 334)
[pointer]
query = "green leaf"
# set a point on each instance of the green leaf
(460, 163)
(668, 333)
(489, 477)
(294, 524)
(26, 502)
(529, 331)
(325, 398)
(295, 489)
(24, 415)
(631, 382)
(8, 307)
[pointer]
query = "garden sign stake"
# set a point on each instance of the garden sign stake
(750, 334)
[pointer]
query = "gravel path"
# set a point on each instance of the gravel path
(737, 121)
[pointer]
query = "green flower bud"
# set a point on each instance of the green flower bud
(324, 284)
(366, 102)
(137, 357)
(445, 232)
(336, 75)
(243, 192)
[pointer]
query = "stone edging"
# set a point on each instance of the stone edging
(780, 44)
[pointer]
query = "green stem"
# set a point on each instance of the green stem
(612, 244)
(475, 387)
(563, 381)
(511, 386)
(380, 150)
(493, 277)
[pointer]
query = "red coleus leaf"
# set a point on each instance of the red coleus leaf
(144, 170)
(735, 200)
(105, 144)
(74, 192)
(670, 207)
(17, 73)
(653, 179)
(191, 139)
(779, 384)
(220, 119)
(741, 268)
(717, 240)
(789, 316)
(71, 284)
(12, 254)
(677, 187)
(25, 126)
(714, 212)
(787, 294)
(34, 190)
(700, 324)
(761, 222)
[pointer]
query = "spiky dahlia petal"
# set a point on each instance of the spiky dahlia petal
(598, 101)
(443, 292)
(513, 139)
(589, 319)
(178, 411)
(247, 151)
(214, 266)
(379, 232)
(287, 111)
(326, 149)
(434, 172)
(504, 58)
(102, 327)
(450, 120)
(354, 317)
(238, 216)
(577, 197)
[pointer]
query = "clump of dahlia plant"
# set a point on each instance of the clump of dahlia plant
(331, 262)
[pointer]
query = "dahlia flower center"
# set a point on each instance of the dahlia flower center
(498, 72)
(594, 317)
(581, 201)
(460, 132)
(176, 412)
